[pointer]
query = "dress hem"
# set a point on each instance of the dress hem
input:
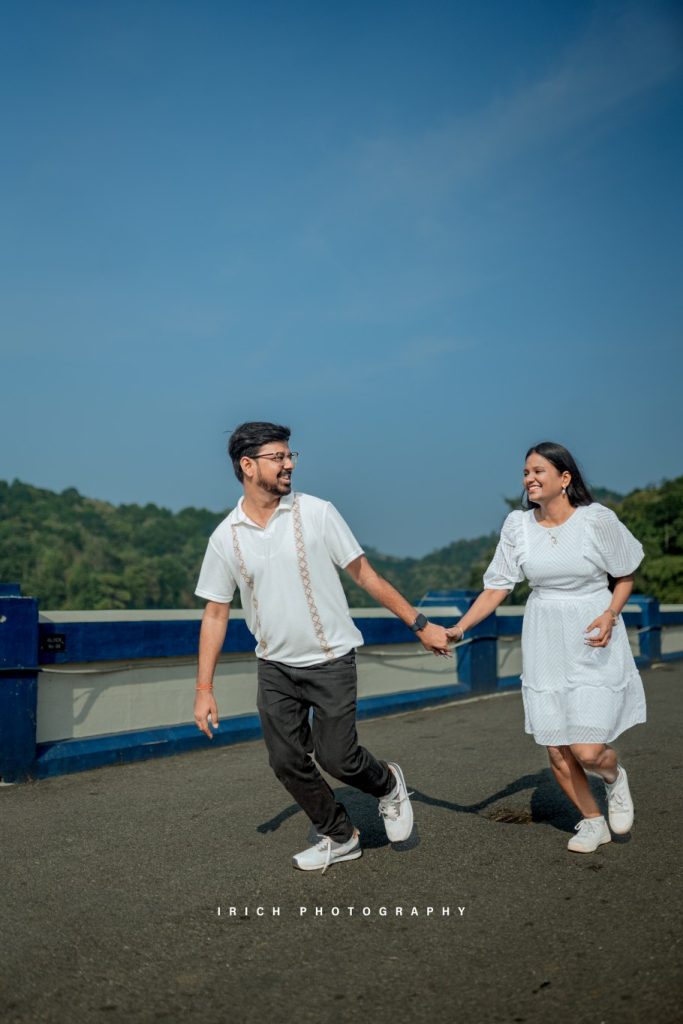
(607, 737)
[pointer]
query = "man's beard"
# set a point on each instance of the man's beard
(279, 488)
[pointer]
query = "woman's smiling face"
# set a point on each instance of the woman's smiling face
(542, 480)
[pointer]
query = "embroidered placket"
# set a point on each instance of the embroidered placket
(305, 575)
(249, 582)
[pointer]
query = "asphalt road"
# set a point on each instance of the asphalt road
(112, 880)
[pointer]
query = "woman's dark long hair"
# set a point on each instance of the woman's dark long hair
(564, 462)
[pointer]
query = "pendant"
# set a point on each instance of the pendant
(553, 538)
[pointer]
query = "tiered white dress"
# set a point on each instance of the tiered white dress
(572, 693)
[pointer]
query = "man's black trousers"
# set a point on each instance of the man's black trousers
(285, 695)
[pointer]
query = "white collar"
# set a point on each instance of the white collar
(239, 515)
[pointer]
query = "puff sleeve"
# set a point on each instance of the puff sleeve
(505, 568)
(609, 544)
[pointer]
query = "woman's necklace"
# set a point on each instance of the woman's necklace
(550, 530)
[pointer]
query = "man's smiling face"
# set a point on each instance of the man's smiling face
(274, 467)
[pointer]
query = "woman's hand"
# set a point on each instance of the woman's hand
(435, 639)
(454, 634)
(604, 624)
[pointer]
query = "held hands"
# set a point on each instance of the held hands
(604, 625)
(435, 639)
(205, 711)
(454, 634)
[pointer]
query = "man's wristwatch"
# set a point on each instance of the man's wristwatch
(420, 622)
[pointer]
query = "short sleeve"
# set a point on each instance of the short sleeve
(505, 569)
(216, 581)
(341, 544)
(609, 544)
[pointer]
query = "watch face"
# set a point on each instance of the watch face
(420, 622)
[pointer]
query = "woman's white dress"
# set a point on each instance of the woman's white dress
(572, 693)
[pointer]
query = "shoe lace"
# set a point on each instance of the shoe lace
(325, 846)
(390, 807)
(585, 825)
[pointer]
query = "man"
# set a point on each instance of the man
(281, 549)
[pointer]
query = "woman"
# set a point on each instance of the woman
(580, 685)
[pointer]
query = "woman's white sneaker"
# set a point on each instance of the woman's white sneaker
(326, 852)
(590, 833)
(619, 804)
(396, 810)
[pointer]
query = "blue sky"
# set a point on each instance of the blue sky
(425, 235)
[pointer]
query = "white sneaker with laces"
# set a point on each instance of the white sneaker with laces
(619, 803)
(590, 833)
(326, 852)
(396, 810)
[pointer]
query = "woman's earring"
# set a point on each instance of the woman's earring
(564, 492)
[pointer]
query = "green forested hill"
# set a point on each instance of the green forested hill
(449, 567)
(76, 552)
(655, 517)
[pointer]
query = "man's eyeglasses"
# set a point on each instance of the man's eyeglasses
(278, 457)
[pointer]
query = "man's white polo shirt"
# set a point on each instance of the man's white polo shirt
(292, 597)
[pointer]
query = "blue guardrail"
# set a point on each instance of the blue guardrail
(28, 646)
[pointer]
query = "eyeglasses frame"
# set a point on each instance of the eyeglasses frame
(280, 457)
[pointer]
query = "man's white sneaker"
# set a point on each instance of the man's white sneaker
(327, 852)
(590, 833)
(396, 810)
(619, 804)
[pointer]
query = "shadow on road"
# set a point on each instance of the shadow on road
(546, 804)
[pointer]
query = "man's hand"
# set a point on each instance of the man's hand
(205, 708)
(435, 639)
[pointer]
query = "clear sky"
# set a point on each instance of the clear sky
(425, 235)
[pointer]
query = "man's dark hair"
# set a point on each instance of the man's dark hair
(562, 459)
(249, 437)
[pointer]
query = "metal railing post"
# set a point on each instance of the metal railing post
(650, 633)
(18, 682)
(477, 661)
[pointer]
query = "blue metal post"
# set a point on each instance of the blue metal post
(477, 662)
(650, 635)
(18, 683)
